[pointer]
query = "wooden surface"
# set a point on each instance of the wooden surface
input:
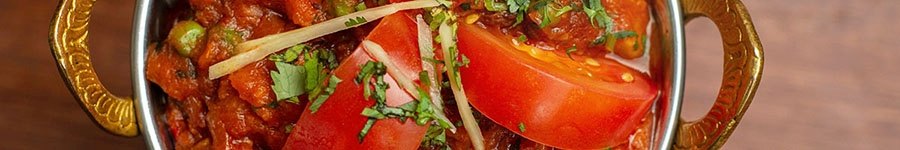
(830, 80)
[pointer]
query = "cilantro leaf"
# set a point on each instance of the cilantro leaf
(288, 80)
(361, 6)
(522, 38)
(570, 50)
(520, 8)
(491, 5)
(355, 21)
(595, 10)
(435, 136)
(289, 55)
(522, 127)
(332, 84)
(315, 75)
(366, 128)
(372, 113)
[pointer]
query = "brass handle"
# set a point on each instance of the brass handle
(742, 73)
(68, 41)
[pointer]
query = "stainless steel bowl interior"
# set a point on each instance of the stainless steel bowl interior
(149, 24)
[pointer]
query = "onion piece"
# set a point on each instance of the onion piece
(462, 102)
(426, 50)
(258, 49)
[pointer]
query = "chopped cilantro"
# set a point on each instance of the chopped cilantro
(288, 128)
(366, 128)
(332, 84)
(294, 100)
(309, 77)
(314, 76)
(522, 38)
(624, 34)
(424, 79)
(543, 9)
(563, 10)
(570, 50)
(550, 12)
(520, 8)
(355, 21)
(286, 80)
(361, 6)
(464, 61)
(424, 111)
(491, 5)
(435, 136)
(600, 18)
(433, 61)
(289, 55)
(289, 80)
(515, 5)
(595, 10)
(611, 38)
(522, 127)
(372, 113)
(420, 111)
(367, 72)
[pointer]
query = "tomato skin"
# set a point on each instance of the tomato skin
(337, 123)
(556, 106)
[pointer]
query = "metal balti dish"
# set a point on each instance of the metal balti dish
(129, 116)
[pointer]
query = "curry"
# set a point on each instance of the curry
(395, 74)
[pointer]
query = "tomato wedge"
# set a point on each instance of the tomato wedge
(337, 123)
(573, 104)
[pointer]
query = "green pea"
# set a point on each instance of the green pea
(185, 36)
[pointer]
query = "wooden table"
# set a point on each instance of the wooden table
(829, 81)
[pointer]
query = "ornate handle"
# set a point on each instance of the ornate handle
(68, 40)
(743, 71)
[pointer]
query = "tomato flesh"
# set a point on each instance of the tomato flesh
(337, 123)
(558, 101)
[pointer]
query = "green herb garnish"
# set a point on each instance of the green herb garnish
(288, 128)
(550, 12)
(332, 84)
(570, 50)
(435, 136)
(624, 34)
(595, 10)
(611, 38)
(367, 72)
(520, 8)
(355, 21)
(372, 73)
(522, 127)
(491, 5)
(309, 77)
(287, 80)
(522, 38)
(361, 6)
(289, 55)
(365, 130)
(563, 10)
